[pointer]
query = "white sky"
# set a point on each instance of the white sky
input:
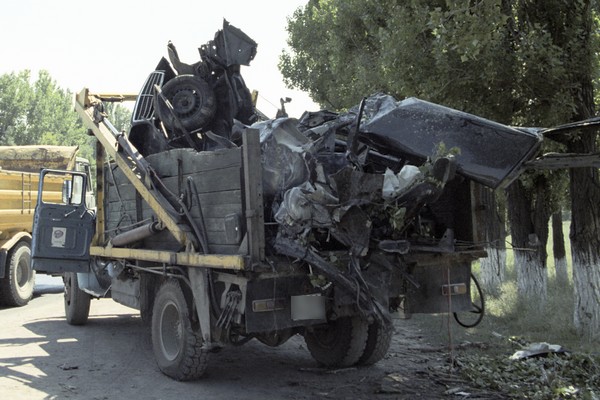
(112, 45)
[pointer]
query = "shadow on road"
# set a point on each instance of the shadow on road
(111, 358)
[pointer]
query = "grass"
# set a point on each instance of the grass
(481, 354)
(508, 316)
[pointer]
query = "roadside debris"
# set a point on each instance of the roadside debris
(68, 367)
(537, 350)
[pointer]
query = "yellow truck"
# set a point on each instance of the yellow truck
(19, 178)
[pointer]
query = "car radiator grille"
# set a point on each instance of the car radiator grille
(144, 107)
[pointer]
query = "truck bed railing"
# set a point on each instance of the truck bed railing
(142, 176)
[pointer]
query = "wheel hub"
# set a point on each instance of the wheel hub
(186, 102)
(171, 331)
(22, 272)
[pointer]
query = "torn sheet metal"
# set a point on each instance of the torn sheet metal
(283, 149)
(230, 47)
(306, 207)
(356, 187)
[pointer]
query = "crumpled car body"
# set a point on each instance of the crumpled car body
(488, 152)
(378, 201)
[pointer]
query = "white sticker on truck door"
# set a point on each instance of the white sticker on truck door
(59, 236)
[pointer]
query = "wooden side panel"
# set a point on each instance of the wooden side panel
(209, 183)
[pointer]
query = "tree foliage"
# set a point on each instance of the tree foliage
(40, 112)
(15, 97)
(119, 116)
(491, 58)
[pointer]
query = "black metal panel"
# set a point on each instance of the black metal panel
(489, 151)
(430, 298)
(280, 290)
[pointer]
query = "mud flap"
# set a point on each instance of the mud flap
(199, 282)
(442, 289)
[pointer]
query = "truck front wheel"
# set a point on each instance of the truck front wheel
(16, 289)
(340, 343)
(177, 346)
(77, 302)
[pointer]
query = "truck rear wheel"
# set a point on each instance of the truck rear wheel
(77, 302)
(16, 289)
(177, 346)
(379, 338)
(340, 343)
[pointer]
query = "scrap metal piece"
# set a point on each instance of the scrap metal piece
(355, 187)
(181, 67)
(352, 141)
(306, 206)
(394, 246)
(366, 301)
(230, 47)
(282, 149)
(537, 350)
(353, 230)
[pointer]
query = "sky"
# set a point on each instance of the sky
(111, 46)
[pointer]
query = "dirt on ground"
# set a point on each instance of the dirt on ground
(42, 357)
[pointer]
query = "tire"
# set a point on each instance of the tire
(177, 346)
(77, 302)
(379, 338)
(193, 100)
(339, 344)
(16, 289)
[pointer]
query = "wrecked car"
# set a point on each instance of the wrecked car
(222, 227)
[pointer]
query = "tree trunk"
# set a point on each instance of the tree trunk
(558, 248)
(529, 247)
(585, 188)
(491, 230)
(585, 247)
(585, 243)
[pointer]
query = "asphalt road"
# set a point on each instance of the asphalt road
(42, 357)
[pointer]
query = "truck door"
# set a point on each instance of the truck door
(63, 226)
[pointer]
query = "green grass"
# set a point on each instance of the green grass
(482, 354)
(508, 316)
